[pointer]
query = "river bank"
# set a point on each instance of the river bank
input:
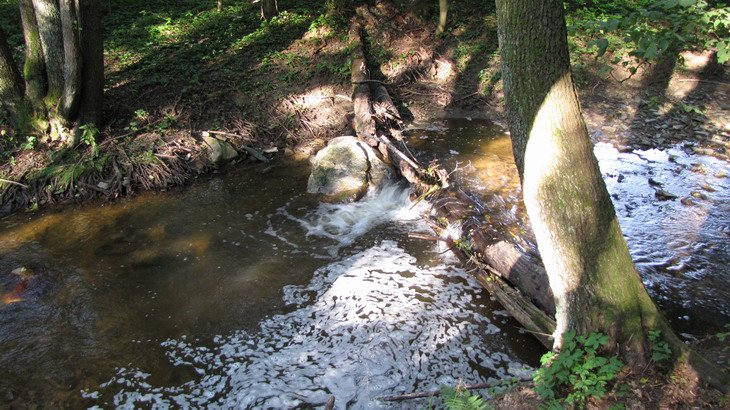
(165, 130)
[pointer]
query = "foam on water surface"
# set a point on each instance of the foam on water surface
(372, 324)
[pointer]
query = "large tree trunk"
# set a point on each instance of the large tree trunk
(64, 67)
(11, 84)
(34, 71)
(92, 63)
(594, 281)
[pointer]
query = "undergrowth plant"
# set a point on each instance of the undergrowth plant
(577, 373)
(646, 31)
(660, 350)
(462, 399)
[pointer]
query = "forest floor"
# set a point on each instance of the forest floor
(185, 83)
(180, 74)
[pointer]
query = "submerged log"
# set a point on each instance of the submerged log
(522, 269)
(516, 279)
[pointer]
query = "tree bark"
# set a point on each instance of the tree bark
(48, 16)
(269, 9)
(443, 14)
(593, 279)
(64, 66)
(70, 27)
(11, 83)
(92, 56)
(34, 71)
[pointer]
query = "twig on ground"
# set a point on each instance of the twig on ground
(225, 134)
(7, 181)
(465, 97)
(255, 153)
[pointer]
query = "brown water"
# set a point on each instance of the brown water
(216, 294)
(243, 291)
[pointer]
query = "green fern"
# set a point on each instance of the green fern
(459, 399)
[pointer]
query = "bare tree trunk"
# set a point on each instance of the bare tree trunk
(11, 83)
(71, 59)
(269, 9)
(443, 14)
(34, 68)
(48, 16)
(593, 279)
(92, 56)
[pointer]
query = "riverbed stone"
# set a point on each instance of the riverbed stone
(220, 151)
(346, 168)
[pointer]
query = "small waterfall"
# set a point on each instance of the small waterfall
(344, 223)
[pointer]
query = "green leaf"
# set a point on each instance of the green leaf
(723, 52)
(604, 70)
(601, 43)
(687, 3)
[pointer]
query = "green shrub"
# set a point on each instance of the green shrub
(577, 373)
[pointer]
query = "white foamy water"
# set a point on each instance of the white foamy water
(344, 223)
(371, 324)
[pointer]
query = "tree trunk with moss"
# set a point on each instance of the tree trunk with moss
(594, 281)
(63, 68)
(11, 83)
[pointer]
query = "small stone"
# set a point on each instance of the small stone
(663, 195)
(103, 185)
(687, 201)
(654, 182)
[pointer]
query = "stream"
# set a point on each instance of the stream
(244, 291)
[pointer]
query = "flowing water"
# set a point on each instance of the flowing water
(244, 291)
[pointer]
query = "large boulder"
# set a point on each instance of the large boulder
(345, 169)
(219, 151)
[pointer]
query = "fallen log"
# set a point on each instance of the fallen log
(516, 279)
(363, 123)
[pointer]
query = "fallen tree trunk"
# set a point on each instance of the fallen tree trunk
(362, 123)
(499, 267)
